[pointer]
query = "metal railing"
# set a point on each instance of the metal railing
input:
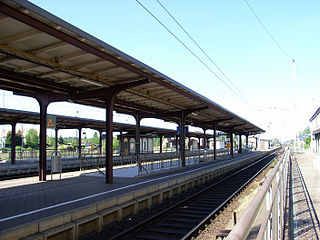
(149, 163)
(33, 154)
(29, 154)
(145, 162)
(265, 217)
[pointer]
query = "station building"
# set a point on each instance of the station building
(315, 131)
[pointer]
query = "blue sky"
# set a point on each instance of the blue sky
(232, 37)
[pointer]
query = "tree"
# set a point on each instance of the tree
(18, 138)
(156, 142)
(60, 140)
(307, 140)
(306, 131)
(115, 144)
(32, 138)
(51, 141)
(95, 139)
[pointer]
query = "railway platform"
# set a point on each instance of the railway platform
(75, 205)
(305, 197)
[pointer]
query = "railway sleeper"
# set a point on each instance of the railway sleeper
(198, 207)
(166, 231)
(184, 215)
(176, 225)
(205, 202)
(212, 198)
(195, 212)
(150, 237)
(175, 219)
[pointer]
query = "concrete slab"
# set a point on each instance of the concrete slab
(310, 168)
(305, 197)
(27, 200)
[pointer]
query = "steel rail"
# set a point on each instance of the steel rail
(142, 223)
(200, 226)
(243, 227)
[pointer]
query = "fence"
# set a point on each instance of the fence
(265, 217)
(31, 154)
(148, 163)
(145, 162)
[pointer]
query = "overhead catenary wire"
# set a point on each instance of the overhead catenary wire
(268, 32)
(201, 49)
(199, 59)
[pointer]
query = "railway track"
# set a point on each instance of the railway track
(184, 219)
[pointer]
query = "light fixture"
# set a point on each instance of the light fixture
(91, 82)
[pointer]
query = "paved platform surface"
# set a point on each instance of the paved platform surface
(25, 200)
(306, 196)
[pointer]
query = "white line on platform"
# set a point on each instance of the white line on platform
(99, 194)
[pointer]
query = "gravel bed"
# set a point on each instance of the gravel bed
(129, 221)
(225, 220)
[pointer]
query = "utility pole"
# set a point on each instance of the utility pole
(294, 103)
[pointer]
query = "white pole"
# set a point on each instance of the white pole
(294, 103)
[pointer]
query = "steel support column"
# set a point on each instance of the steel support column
(100, 141)
(256, 143)
(182, 139)
(160, 136)
(214, 141)
(177, 144)
(109, 140)
(56, 140)
(204, 138)
(13, 143)
(240, 143)
(108, 94)
(247, 140)
(199, 143)
(231, 142)
(137, 140)
(79, 141)
(189, 143)
(43, 139)
(120, 144)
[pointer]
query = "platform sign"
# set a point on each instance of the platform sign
(51, 121)
(179, 130)
(304, 136)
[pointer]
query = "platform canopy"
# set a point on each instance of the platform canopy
(9, 116)
(41, 54)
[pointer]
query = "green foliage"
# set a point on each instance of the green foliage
(32, 139)
(51, 141)
(156, 142)
(95, 139)
(60, 140)
(307, 140)
(18, 138)
(115, 144)
(306, 131)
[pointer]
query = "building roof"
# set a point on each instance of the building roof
(315, 115)
(40, 54)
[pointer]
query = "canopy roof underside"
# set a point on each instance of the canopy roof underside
(41, 54)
